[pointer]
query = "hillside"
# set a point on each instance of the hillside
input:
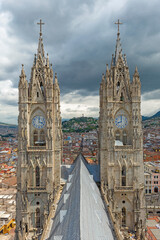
(151, 117)
(81, 124)
(85, 124)
(7, 125)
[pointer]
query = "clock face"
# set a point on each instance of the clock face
(121, 121)
(38, 122)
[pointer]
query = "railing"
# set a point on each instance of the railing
(124, 147)
(36, 188)
(123, 188)
(36, 147)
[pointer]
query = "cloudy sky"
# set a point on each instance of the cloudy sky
(80, 37)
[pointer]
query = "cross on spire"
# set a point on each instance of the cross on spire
(118, 23)
(40, 23)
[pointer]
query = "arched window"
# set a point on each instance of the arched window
(123, 176)
(117, 135)
(35, 137)
(156, 189)
(41, 85)
(123, 217)
(37, 176)
(26, 226)
(42, 138)
(121, 97)
(118, 86)
(37, 218)
(124, 138)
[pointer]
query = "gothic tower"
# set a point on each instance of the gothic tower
(121, 143)
(39, 145)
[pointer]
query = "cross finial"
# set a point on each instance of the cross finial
(40, 23)
(118, 23)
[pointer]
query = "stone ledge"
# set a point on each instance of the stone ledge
(123, 188)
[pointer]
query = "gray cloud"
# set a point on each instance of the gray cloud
(93, 109)
(71, 110)
(151, 95)
(80, 38)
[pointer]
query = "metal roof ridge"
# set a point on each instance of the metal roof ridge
(80, 212)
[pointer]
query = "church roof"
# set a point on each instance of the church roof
(80, 213)
(94, 169)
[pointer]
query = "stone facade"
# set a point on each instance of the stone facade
(121, 143)
(40, 145)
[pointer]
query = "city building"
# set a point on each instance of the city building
(152, 177)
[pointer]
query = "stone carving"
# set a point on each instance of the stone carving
(120, 98)
(36, 99)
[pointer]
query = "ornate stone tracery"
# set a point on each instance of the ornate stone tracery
(38, 175)
(121, 142)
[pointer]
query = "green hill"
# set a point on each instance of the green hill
(8, 125)
(80, 124)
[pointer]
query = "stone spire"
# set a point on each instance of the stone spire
(47, 62)
(22, 71)
(118, 43)
(40, 44)
(136, 73)
(107, 73)
(23, 86)
(103, 79)
(136, 79)
(55, 79)
(22, 77)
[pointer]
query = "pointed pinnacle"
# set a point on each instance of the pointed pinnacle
(107, 68)
(112, 61)
(47, 60)
(22, 71)
(103, 78)
(136, 73)
(136, 69)
(34, 59)
(125, 59)
(55, 79)
(107, 72)
(22, 76)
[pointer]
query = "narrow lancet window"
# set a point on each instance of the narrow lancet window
(118, 86)
(37, 218)
(117, 135)
(121, 97)
(42, 138)
(124, 138)
(123, 217)
(123, 176)
(42, 89)
(37, 176)
(35, 137)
